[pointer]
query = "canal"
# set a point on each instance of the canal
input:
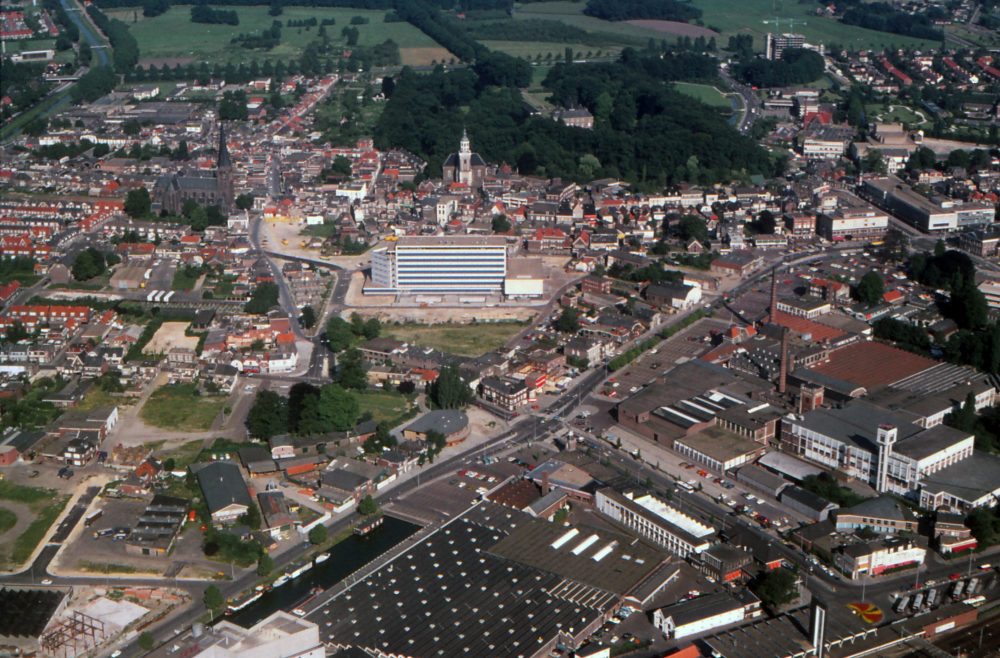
(345, 558)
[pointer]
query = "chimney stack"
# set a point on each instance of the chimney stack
(784, 361)
(772, 310)
(545, 483)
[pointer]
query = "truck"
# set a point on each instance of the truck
(93, 516)
(150, 296)
(103, 533)
(166, 298)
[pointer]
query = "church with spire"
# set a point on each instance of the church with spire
(465, 166)
(212, 189)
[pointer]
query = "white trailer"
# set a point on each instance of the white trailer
(167, 297)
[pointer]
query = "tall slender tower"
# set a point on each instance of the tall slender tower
(465, 159)
(817, 627)
(772, 310)
(886, 438)
(224, 170)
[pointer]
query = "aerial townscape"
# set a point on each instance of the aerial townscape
(499, 329)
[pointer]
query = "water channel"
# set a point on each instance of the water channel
(345, 558)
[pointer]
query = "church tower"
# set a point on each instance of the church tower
(224, 171)
(465, 159)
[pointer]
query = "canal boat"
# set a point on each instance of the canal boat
(322, 557)
(281, 581)
(301, 570)
(366, 527)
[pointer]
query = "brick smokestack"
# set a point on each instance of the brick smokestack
(773, 308)
(784, 361)
(545, 483)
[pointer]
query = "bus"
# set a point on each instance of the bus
(681, 484)
(931, 596)
(956, 590)
(918, 601)
(902, 603)
(976, 601)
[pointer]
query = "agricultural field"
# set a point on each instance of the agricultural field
(728, 18)
(706, 94)
(463, 339)
(532, 49)
(176, 407)
(748, 17)
(173, 36)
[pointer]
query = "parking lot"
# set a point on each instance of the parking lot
(683, 346)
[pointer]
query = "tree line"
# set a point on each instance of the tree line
(352, 4)
(126, 48)
(797, 66)
(626, 10)
(205, 14)
(539, 31)
(883, 17)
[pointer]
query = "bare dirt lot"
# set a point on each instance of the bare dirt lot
(673, 27)
(423, 56)
(170, 334)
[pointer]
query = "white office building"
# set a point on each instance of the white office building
(440, 265)
(657, 521)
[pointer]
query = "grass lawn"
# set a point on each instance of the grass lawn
(96, 397)
(25, 545)
(7, 520)
(183, 455)
(183, 280)
(897, 114)
(173, 35)
(706, 94)
(26, 280)
(384, 406)
(24, 495)
(175, 406)
(319, 231)
(463, 339)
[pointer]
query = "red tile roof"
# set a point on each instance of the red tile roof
(871, 364)
(819, 332)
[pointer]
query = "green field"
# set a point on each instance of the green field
(463, 339)
(706, 94)
(176, 407)
(46, 507)
(7, 520)
(897, 114)
(532, 49)
(730, 18)
(172, 35)
(383, 406)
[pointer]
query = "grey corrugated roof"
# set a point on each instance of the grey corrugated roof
(446, 421)
(223, 485)
(806, 498)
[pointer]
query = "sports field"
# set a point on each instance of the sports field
(728, 18)
(173, 35)
(464, 339)
(705, 93)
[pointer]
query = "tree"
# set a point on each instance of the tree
(500, 224)
(367, 506)
(268, 415)
(388, 86)
(450, 391)
(213, 598)
(692, 227)
(351, 370)
(381, 440)
(335, 410)
(138, 204)
(88, 264)
(16, 332)
(244, 201)
(169, 464)
(308, 317)
(968, 306)
(276, 8)
(777, 588)
(146, 641)
(870, 289)
(318, 534)
(406, 387)
(341, 166)
(265, 565)
(250, 518)
(964, 418)
(264, 298)
(339, 334)
(372, 328)
(569, 321)
(940, 248)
